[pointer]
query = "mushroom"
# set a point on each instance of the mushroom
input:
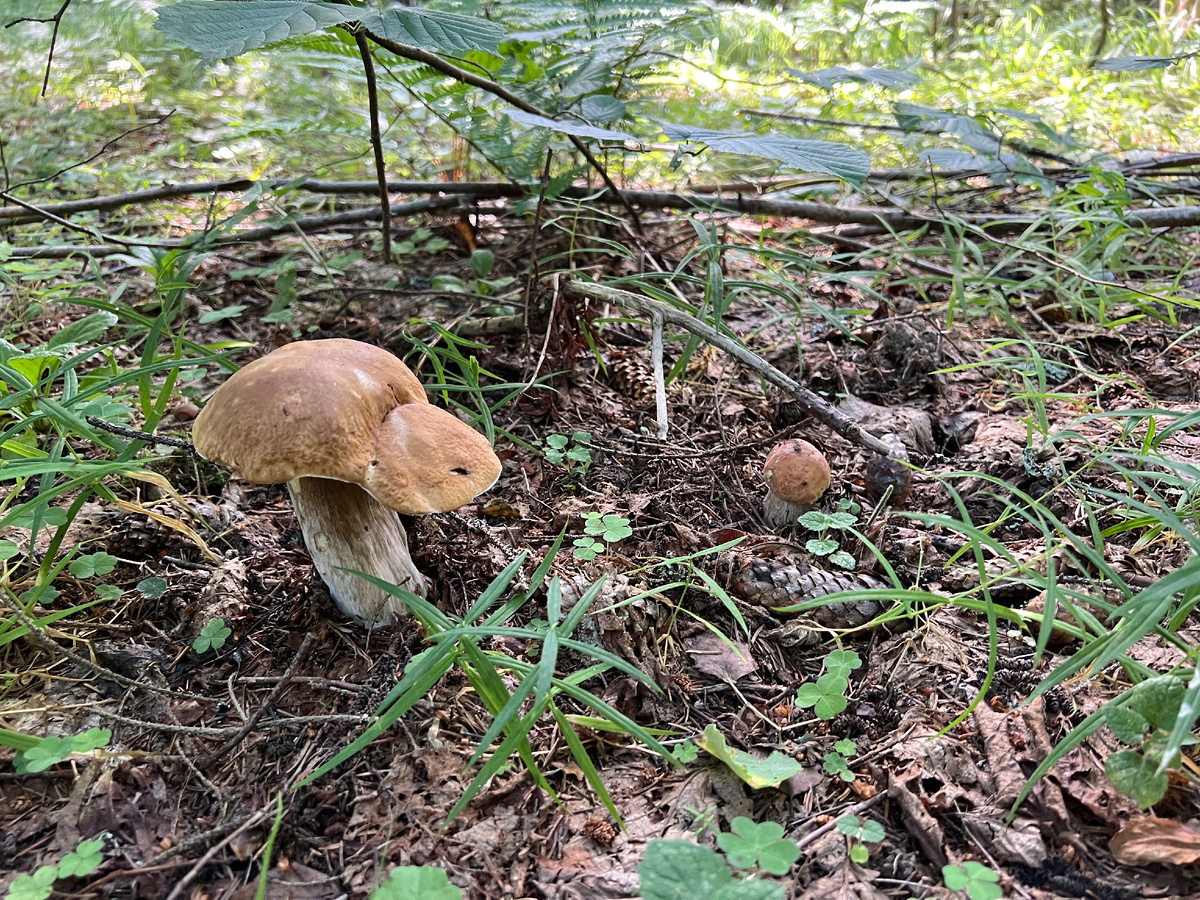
(797, 475)
(349, 428)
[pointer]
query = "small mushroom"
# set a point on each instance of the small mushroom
(797, 475)
(349, 428)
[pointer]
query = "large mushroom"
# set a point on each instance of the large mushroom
(349, 428)
(797, 474)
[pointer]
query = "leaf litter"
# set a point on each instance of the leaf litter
(938, 780)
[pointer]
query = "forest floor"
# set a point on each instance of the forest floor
(181, 823)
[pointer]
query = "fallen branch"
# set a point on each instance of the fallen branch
(307, 225)
(814, 404)
(473, 191)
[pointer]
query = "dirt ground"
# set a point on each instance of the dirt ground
(184, 820)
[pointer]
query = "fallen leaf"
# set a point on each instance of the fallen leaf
(758, 773)
(727, 660)
(1154, 840)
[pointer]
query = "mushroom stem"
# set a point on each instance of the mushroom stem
(346, 528)
(780, 513)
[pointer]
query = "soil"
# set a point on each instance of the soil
(185, 815)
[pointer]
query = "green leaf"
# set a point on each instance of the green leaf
(229, 312)
(37, 886)
(842, 662)
(1136, 775)
(53, 749)
(417, 883)
(221, 30)
(859, 854)
(686, 752)
(152, 588)
(819, 547)
(844, 560)
(83, 860)
(579, 129)
(846, 747)
(435, 29)
(826, 696)
(815, 520)
(601, 108)
(1136, 63)
(109, 592)
(827, 78)
(214, 634)
(835, 764)
(1127, 724)
(92, 564)
(8, 550)
(809, 156)
(758, 773)
(979, 882)
(86, 329)
(760, 844)
(681, 870)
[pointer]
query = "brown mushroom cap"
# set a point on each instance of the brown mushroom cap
(797, 472)
(351, 412)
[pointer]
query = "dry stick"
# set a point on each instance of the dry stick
(177, 891)
(57, 20)
(852, 811)
(307, 225)
(447, 68)
(815, 405)
(474, 191)
(301, 655)
(364, 50)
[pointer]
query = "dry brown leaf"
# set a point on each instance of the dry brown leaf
(722, 659)
(847, 883)
(1154, 840)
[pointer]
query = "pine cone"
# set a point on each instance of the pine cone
(780, 580)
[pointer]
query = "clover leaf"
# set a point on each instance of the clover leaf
(826, 695)
(842, 662)
(835, 764)
(761, 844)
(83, 860)
(93, 564)
(977, 880)
(212, 635)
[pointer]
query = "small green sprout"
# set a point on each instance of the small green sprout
(212, 635)
(569, 451)
(860, 833)
(92, 564)
(826, 696)
(686, 752)
(824, 544)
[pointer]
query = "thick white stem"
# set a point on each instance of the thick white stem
(779, 513)
(346, 528)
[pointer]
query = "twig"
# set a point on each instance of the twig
(852, 811)
(183, 882)
(57, 20)
(447, 68)
(364, 50)
(135, 435)
(83, 162)
(307, 226)
(301, 655)
(817, 406)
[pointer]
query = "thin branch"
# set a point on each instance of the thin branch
(306, 646)
(458, 74)
(814, 404)
(57, 20)
(364, 50)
